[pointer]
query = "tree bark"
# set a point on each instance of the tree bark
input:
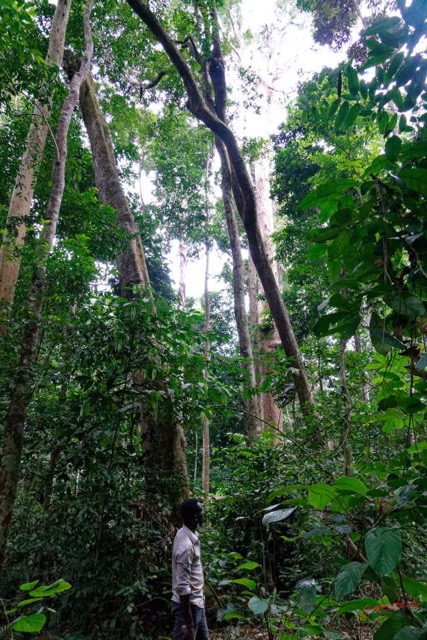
(242, 324)
(22, 389)
(131, 261)
(364, 389)
(217, 103)
(183, 252)
(205, 422)
(346, 419)
(245, 199)
(22, 195)
(163, 438)
(268, 336)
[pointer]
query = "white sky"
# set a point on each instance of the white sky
(293, 57)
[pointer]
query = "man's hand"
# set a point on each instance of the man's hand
(187, 632)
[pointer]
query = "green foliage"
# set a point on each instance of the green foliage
(333, 21)
(21, 59)
(35, 594)
(181, 154)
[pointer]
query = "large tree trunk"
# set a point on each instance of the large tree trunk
(22, 389)
(268, 336)
(22, 195)
(244, 195)
(163, 438)
(242, 324)
(217, 103)
(131, 261)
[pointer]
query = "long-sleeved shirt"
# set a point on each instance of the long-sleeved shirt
(187, 571)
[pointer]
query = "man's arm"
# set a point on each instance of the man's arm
(183, 575)
(188, 618)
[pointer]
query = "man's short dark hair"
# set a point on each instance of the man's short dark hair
(189, 508)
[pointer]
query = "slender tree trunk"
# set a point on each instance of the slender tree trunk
(22, 195)
(254, 324)
(22, 389)
(163, 438)
(183, 252)
(205, 422)
(242, 324)
(346, 418)
(268, 336)
(217, 103)
(244, 195)
(364, 389)
(131, 261)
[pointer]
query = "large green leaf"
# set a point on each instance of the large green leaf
(249, 565)
(246, 582)
(381, 26)
(258, 605)
(30, 624)
(56, 587)
(383, 342)
(282, 491)
(320, 495)
(353, 80)
(348, 579)
(411, 633)
(415, 179)
(330, 190)
(391, 626)
(234, 615)
(277, 516)
(306, 595)
(408, 305)
(358, 605)
(392, 147)
(383, 549)
(390, 588)
(378, 164)
(415, 587)
(341, 115)
(28, 586)
(351, 485)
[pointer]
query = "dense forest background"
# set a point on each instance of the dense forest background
(293, 397)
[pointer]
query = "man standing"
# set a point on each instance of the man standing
(188, 600)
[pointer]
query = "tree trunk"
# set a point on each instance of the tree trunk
(346, 418)
(205, 422)
(364, 389)
(163, 438)
(22, 195)
(242, 324)
(131, 262)
(22, 389)
(183, 253)
(217, 103)
(244, 195)
(268, 337)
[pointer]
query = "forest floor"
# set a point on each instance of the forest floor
(350, 629)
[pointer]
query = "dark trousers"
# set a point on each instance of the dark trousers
(199, 621)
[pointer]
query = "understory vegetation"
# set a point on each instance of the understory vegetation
(293, 400)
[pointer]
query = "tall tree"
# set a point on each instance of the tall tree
(22, 388)
(243, 193)
(22, 195)
(163, 441)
